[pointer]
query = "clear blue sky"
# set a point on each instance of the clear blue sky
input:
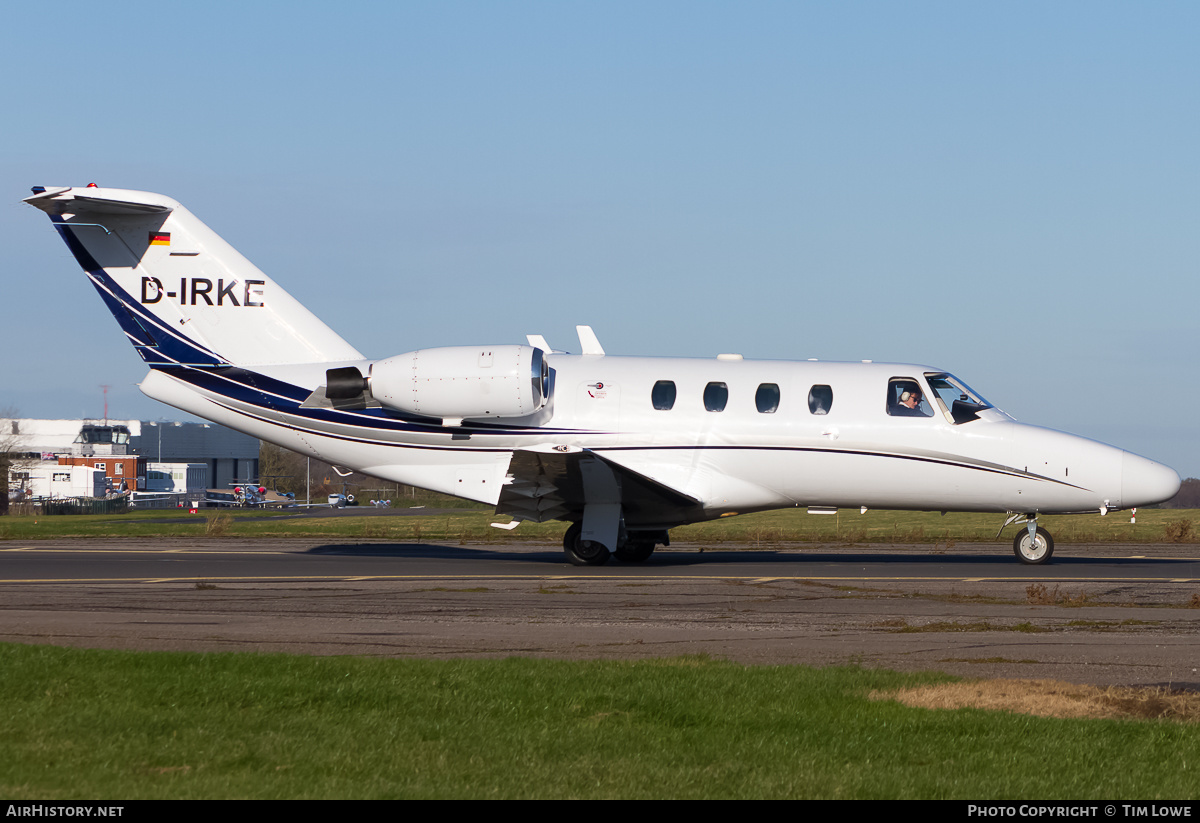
(1005, 190)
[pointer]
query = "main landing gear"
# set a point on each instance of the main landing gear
(635, 551)
(583, 552)
(637, 548)
(1033, 545)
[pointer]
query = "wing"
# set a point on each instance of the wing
(547, 483)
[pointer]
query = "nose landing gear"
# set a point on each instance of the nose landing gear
(1033, 545)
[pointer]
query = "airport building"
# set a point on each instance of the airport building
(132, 454)
(51, 480)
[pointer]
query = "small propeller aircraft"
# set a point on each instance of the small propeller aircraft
(624, 448)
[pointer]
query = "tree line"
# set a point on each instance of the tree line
(1188, 497)
(283, 470)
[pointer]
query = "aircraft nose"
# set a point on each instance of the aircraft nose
(1144, 482)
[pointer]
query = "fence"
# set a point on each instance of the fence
(82, 505)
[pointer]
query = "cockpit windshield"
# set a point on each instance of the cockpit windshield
(958, 401)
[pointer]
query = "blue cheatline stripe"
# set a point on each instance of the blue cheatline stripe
(150, 339)
(154, 341)
(171, 345)
(268, 394)
(82, 255)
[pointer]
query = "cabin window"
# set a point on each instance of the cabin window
(905, 398)
(767, 398)
(662, 396)
(820, 399)
(716, 395)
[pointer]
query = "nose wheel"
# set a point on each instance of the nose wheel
(1033, 549)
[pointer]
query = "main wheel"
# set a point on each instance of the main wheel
(1033, 552)
(583, 552)
(635, 551)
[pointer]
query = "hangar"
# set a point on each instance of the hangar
(125, 450)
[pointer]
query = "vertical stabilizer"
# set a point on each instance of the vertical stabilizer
(180, 292)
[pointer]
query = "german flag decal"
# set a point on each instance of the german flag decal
(160, 238)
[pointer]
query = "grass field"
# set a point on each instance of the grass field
(754, 530)
(124, 725)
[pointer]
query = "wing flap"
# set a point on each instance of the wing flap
(547, 484)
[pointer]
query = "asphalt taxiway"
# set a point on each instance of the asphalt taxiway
(1103, 614)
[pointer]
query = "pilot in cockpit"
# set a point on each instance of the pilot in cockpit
(909, 403)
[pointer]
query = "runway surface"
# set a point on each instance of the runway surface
(1103, 614)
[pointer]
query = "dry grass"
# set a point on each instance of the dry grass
(1038, 595)
(216, 525)
(375, 528)
(901, 626)
(1053, 698)
(1179, 531)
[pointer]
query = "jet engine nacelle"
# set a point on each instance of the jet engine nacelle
(463, 381)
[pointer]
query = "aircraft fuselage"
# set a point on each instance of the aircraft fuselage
(739, 459)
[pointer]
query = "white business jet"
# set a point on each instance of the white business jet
(624, 448)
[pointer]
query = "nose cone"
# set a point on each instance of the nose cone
(1144, 482)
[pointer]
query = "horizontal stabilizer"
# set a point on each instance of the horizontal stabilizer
(66, 200)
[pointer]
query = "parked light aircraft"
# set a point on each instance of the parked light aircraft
(624, 448)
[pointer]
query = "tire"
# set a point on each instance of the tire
(1033, 552)
(635, 551)
(583, 552)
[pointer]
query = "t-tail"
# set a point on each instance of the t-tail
(183, 295)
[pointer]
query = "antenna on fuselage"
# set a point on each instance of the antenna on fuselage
(588, 341)
(538, 342)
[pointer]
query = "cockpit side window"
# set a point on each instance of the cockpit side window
(905, 398)
(958, 401)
